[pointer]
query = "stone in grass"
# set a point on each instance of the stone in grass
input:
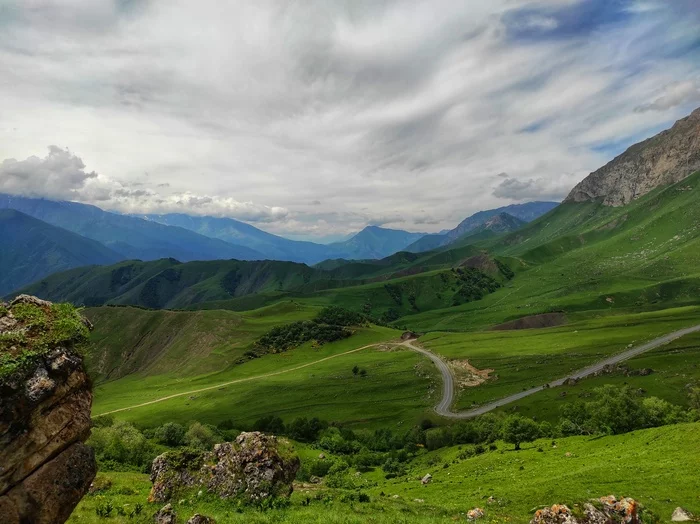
(427, 479)
(255, 467)
(200, 519)
(681, 515)
(476, 513)
(165, 515)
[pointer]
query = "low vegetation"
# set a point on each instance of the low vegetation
(30, 330)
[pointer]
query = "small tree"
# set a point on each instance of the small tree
(518, 430)
(355, 370)
(171, 434)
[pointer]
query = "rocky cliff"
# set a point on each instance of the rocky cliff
(667, 158)
(45, 399)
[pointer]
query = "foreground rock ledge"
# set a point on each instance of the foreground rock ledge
(253, 468)
(45, 469)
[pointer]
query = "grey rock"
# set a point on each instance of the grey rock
(665, 159)
(165, 515)
(681, 515)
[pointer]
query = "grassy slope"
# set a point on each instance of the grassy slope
(674, 366)
(587, 257)
(128, 340)
(173, 352)
(658, 467)
(529, 358)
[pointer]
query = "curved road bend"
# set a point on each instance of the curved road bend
(443, 408)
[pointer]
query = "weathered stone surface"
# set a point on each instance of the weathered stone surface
(254, 467)
(427, 479)
(165, 515)
(49, 495)
(624, 511)
(45, 469)
(201, 519)
(667, 158)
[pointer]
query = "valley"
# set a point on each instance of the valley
(574, 330)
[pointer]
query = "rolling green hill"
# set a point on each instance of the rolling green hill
(32, 249)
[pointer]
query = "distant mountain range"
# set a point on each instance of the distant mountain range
(131, 237)
(509, 219)
(74, 235)
(32, 249)
(375, 242)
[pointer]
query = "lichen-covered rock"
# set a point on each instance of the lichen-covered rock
(667, 158)
(45, 400)
(254, 467)
(611, 511)
(557, 514)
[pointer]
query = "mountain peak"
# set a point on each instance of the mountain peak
(664, 159)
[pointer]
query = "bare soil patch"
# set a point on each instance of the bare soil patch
(467, 375)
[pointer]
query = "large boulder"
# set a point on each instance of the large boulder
(607, 510)
(45, 401)
(253, 468)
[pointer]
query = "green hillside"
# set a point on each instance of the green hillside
(32, 249)
(657, 467)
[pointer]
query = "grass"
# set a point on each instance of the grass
(178, 352)
(658, 467)
(38, 330)
(529, 358)
(675, 367)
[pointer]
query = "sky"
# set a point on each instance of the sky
(314, 118)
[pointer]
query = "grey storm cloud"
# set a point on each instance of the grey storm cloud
(320, 117)
(674, 95)
(59, 174)
(532, 188)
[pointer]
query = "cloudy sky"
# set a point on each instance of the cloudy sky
(314, 118)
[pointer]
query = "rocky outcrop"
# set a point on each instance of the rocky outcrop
(200, 519)
(253, 468)
(45, 400)
(606, 510)
(667, 158)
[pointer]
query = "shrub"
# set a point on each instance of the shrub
(122, 446)
(200, 436)
(171, 434)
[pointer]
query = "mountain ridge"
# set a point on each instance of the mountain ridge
(32, 249)
(667, 158)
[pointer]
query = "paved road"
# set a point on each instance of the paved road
(444, 407)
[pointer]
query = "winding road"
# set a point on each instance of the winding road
(448, 388)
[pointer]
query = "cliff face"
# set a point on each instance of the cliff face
(667, 158)
(45, 400)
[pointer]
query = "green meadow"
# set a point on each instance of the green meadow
(658, 467)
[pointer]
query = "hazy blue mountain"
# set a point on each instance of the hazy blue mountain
(236, 232)
(131, 237)
(525, 212)
(375, 242)
(32, 249)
